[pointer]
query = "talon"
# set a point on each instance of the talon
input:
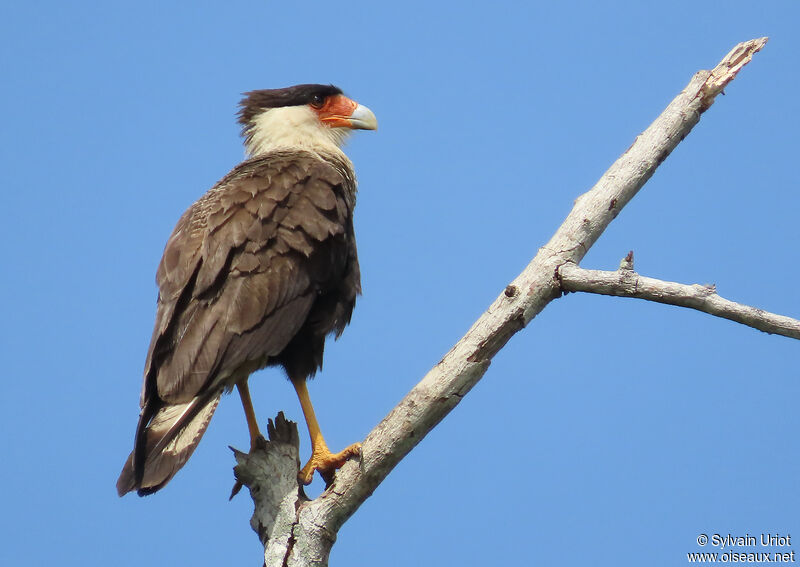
(326, 463)
(322, 459)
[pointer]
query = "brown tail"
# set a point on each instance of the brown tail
(164, 443)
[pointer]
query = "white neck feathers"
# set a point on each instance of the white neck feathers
(292, 127)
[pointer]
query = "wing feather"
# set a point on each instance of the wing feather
(237, 282)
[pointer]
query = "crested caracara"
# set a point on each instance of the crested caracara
(258, 272)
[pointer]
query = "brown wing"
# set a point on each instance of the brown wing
(240, 274)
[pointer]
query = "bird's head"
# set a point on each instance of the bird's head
(307, 116)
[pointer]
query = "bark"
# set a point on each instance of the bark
(302, 532)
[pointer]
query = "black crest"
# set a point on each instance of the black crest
(256, 101)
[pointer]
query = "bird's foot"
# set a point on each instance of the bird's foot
(326, 463)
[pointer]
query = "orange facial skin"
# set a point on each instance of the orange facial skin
(336, 111)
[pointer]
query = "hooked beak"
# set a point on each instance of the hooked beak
(362, 118)
(342, 112)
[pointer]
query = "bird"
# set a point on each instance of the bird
(257, 272)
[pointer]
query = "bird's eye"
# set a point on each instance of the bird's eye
(317, 100)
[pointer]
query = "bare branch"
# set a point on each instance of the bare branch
(627, 283)
(442, 388)
(270, 472)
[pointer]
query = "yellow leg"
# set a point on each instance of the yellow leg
(249, 414)
(321, 459)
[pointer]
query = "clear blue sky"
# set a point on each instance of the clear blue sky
(609, 432)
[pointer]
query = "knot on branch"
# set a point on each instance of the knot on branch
(627, 262)
(269, 471)
(705, 290)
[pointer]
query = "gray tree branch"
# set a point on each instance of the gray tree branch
(306, 530)
(627, 283)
